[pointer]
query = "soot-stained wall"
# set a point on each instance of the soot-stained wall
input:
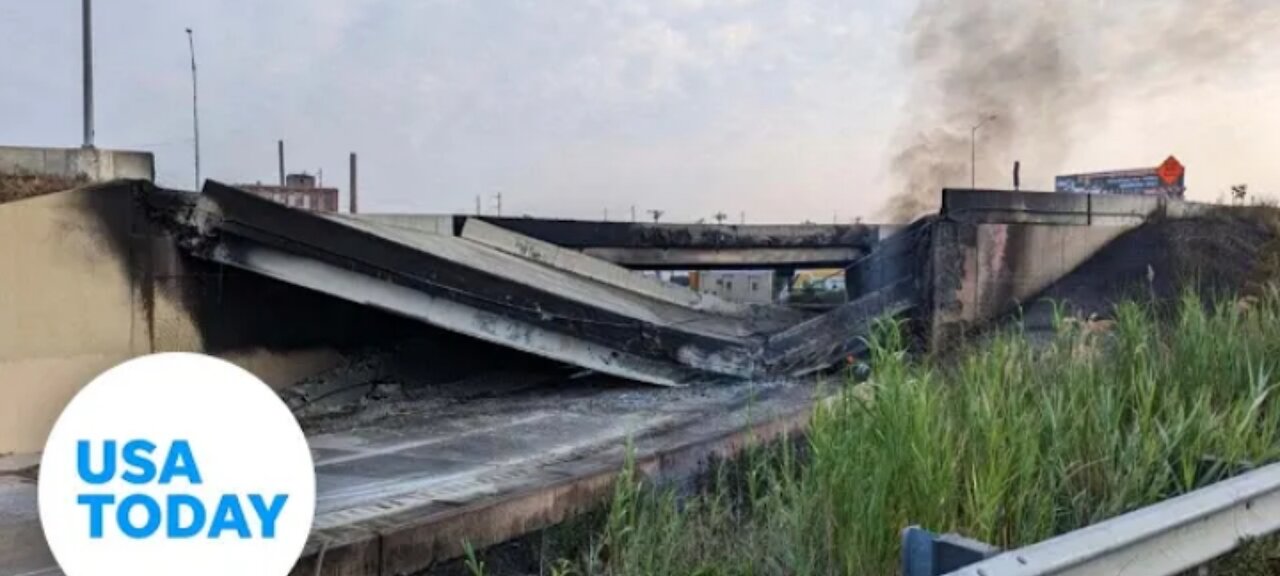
(89, 279)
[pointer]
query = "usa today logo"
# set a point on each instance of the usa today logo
(176, 464)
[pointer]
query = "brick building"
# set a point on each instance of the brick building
(299, 191)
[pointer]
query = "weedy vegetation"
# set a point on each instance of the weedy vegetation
(1009, 443)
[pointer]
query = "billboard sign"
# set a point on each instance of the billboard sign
(1167, 179)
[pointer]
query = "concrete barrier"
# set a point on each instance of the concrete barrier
(91, 164)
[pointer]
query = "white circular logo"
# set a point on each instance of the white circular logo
(176, 464)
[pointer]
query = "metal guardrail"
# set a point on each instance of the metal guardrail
(1166, 538)
(927, 554)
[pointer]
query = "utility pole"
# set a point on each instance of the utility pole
(280, 159)
(973, 151)
(195, 106)
(497, 200)
(86, 45)
(633, 212)
(606, 214)
(742, 217)
(477, 204)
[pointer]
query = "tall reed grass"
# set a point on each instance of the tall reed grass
(1008, 442)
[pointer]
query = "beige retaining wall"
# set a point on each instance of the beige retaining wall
(85, 284)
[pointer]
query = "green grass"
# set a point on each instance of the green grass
(1007, 443)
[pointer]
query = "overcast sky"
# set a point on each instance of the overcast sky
(787, 110)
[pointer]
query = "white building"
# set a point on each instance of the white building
(751, 286)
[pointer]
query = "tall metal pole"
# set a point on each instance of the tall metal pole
(973, 151)
(86, 39)
(973, 157)
(195, 103)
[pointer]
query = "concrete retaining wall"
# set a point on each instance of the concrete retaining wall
(993, 251)
(87, 282)
(982, 271)
(92, 164)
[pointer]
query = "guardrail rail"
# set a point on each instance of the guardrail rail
(1169, 537)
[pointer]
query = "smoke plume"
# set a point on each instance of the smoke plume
(1037, 74)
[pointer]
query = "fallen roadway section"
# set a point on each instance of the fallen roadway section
(491, 283)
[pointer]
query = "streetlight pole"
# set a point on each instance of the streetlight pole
(195, 104)
(86, 40)
(973, 151)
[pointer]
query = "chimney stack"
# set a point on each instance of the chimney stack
(352, 197)
(280, 148)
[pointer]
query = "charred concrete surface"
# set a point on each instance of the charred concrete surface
(992, 252)
(488, 470)
(480, 462)
(94, 277)
(580, 234)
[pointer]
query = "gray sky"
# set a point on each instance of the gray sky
(787, 110)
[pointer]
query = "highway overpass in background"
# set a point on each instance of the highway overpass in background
(663, 246)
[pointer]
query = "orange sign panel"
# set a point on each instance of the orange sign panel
(1170, 171)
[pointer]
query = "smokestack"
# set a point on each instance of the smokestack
(352, 197)
(1017, 179)
(280, 149)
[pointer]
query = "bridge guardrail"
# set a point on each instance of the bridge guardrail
(1165, 538)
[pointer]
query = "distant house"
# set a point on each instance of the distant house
(299, 191)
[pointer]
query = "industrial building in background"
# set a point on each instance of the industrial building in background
(299, 191)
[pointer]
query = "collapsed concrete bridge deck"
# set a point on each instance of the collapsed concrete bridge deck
(495, 284)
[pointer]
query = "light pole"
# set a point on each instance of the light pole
(86, 40)
(973, 151)
(195, 104)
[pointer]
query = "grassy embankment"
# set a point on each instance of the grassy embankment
(1008, 443)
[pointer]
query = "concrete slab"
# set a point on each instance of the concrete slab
(576, 262)
(473, 289)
